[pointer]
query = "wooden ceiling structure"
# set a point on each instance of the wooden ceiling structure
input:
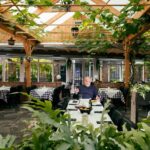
(60, 32)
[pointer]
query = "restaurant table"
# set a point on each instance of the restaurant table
(94, 117)
(4, 90)
(42, 93)
(111, 93)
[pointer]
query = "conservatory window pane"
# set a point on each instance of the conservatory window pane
(34, 72)
(45, 74)
(12, 71)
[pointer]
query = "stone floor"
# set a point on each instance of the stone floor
(13, 121)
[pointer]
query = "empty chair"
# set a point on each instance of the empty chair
(56, 97)
(13, 98)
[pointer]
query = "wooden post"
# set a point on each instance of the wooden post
(28, 49)
(127, 64)
(133, 107)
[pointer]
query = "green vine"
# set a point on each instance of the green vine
(142, 89)
(120, 26)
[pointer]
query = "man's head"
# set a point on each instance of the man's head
(87, 81)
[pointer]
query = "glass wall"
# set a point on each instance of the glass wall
(41, 70)
(34, 71)
(13, 69)
(115, 71)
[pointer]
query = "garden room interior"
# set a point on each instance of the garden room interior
(45, 44)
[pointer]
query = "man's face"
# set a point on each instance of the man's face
(87, 81)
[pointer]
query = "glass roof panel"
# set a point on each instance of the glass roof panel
(59, 21)
(32, 9)
(117, 2)
(44, 17)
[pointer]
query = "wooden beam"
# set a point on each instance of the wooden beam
(126, 46)
(133, 115)
(142, 30)
(22, 28)
(11, 32)
(112, 9)
(143, 11)
(28, 46)
(42, 5)
(4, 9)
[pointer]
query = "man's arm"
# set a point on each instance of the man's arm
(95, 95)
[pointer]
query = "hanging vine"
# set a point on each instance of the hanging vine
(120, 26)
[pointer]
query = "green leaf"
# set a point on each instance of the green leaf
(62, 146)
(77, 15)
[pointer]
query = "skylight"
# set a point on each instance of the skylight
(44, 17)
(59, 21)
(32, 9)
(117, 2)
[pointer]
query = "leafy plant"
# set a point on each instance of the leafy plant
(141, 89)
(6, 143)
(54, 131)
(119, 26)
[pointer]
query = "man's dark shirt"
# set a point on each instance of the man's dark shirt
(88, 92)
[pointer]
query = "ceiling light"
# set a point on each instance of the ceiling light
(75, 31)
(11, 41)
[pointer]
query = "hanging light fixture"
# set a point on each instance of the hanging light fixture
(75, 31)
(11, 41)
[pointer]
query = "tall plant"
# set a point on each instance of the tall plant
(54, 131)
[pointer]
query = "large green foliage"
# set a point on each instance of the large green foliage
(53, 130)
(6, 143)
(119, 26)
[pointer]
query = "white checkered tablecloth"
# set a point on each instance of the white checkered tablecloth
(40, 94)
(111, 93)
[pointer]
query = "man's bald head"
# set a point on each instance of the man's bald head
(87, 81)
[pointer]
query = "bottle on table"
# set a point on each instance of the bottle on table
(85, 119)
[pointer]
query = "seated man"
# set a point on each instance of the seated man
(87, 90)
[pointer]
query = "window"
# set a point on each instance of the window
(115, 71)
(34, 72)
(78, 73)
(45, 74)
(147, 71)
(63, 72)
(13, 70)
(88, 69)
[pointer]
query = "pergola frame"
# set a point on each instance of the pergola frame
(29, 40)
